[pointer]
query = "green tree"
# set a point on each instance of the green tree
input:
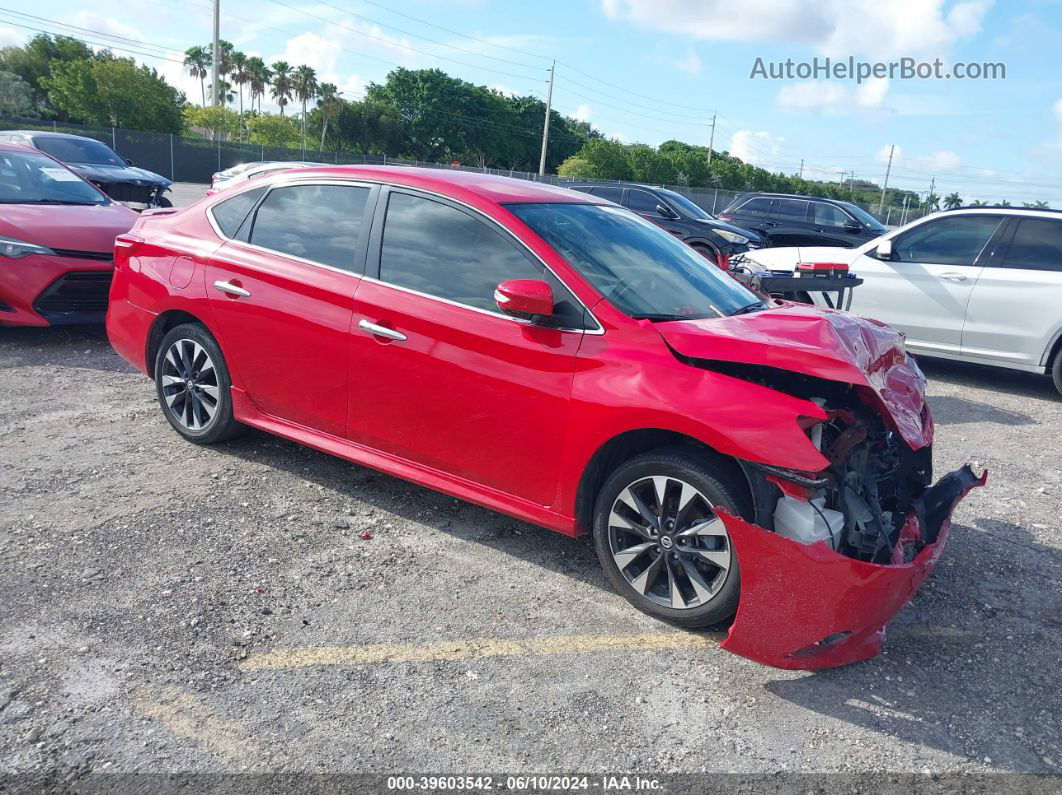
(117, 93)
(239, 73)
(271, 129)
(281, 87)
(198, 60)
(932, 202)
(304, 86)
(607, 159)
(259, 78)
(16, 97)
(328, 106)
(35, 60)
(219, 123)
(648, 166)
(952, 200)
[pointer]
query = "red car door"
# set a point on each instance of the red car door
(438, 375)
(281, 298)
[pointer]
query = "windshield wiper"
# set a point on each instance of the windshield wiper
(747, 308)
(659, 317)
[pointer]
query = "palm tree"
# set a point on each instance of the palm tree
(198, 60)
(304, 84)
(978, 203)
(952, 200)
(240, 76)
(1004, 203)
(281, 87)
(258, 79)
(328, 103)
(224, 91)
(932, 202)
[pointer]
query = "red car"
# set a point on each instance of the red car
(557, 358)
(57, 236)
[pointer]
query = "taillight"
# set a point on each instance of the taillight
(726, 218)
(122, 244)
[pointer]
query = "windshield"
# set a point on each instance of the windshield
(864, 217)
(31, 178)
(78, 150)
(641, 269)
(687, 207)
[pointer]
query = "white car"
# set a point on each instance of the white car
(237, 175)
(976, 284)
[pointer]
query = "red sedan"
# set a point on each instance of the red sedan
(557, 358)
(57, 236)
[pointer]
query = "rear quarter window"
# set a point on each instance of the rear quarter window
(230, 214)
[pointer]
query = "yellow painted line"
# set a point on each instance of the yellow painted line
(187, 717)
(480, 648)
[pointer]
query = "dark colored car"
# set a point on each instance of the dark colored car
(552, 356)
(99, 164)
(710, 236)
(786, 220)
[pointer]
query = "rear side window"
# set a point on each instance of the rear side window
(642, 201)
(319, 223)
(441, 251)
(957, 240)
(757, 207)
(612, 194)
(1037, 245)
(230, 214)
(792, 210)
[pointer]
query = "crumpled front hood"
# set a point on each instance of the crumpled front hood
(114, 174)
(824, 343)
(787, 257)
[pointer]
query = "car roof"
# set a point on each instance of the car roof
(48, 134)
(1043, 212)
(801, 196)
(498, 189)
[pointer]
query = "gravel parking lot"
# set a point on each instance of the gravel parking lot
(164, 607)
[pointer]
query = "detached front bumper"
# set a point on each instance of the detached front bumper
(841, 614)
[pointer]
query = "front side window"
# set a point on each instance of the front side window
(612, 194)
(441, 251)
(686, 206)
(319, 223)
(756, 207)
(641, 269)
(642, 201)
(1037, 245)
(957, 240)
(828, 215)
(32, 178)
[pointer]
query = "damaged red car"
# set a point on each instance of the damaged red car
(555, 357)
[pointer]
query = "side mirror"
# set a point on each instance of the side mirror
(667, 212)
(524, 298)
(853, 226)
(884, 250)
(128, 161)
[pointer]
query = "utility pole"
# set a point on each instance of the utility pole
(884, 187)
(711, 140)
(545, 125)
(216, 58)
(801, 175)
(932, 186)
(851, 184)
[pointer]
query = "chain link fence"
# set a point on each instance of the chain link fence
(184, 158)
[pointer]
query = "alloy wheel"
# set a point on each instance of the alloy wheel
(668, 543)
(190, 384)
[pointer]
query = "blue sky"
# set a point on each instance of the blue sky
(650, 70)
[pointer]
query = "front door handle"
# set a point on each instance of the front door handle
(381, 331)
(232, 289)
(952, 276)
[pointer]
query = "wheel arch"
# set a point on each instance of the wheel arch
(628, 444)
(167, 320)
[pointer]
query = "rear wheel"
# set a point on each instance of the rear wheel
(1056, 370)
(660, 541)
(193, 385)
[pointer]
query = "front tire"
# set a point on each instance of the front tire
(163, 202)
(1056, 371)
(193, 385)
(660, 542)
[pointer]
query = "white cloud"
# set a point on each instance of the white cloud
(1057, 109)
(92, 21)
(503, 89)
(690, 63)
(940, 161)
(836, 27)
(872, 93)
(832, 97)
(757, 147)
(582, 113)
(11, 38)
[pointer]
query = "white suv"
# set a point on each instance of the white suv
(976, 284)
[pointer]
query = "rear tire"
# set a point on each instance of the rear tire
(193, 385)
(1056, 370)
(669, 555)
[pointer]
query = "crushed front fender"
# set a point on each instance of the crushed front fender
(805, 607)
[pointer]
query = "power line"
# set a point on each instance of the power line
(100, 33)
(105, 44)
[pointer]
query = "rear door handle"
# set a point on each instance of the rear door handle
(232, 289)
(952, 276)
(381, 331)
